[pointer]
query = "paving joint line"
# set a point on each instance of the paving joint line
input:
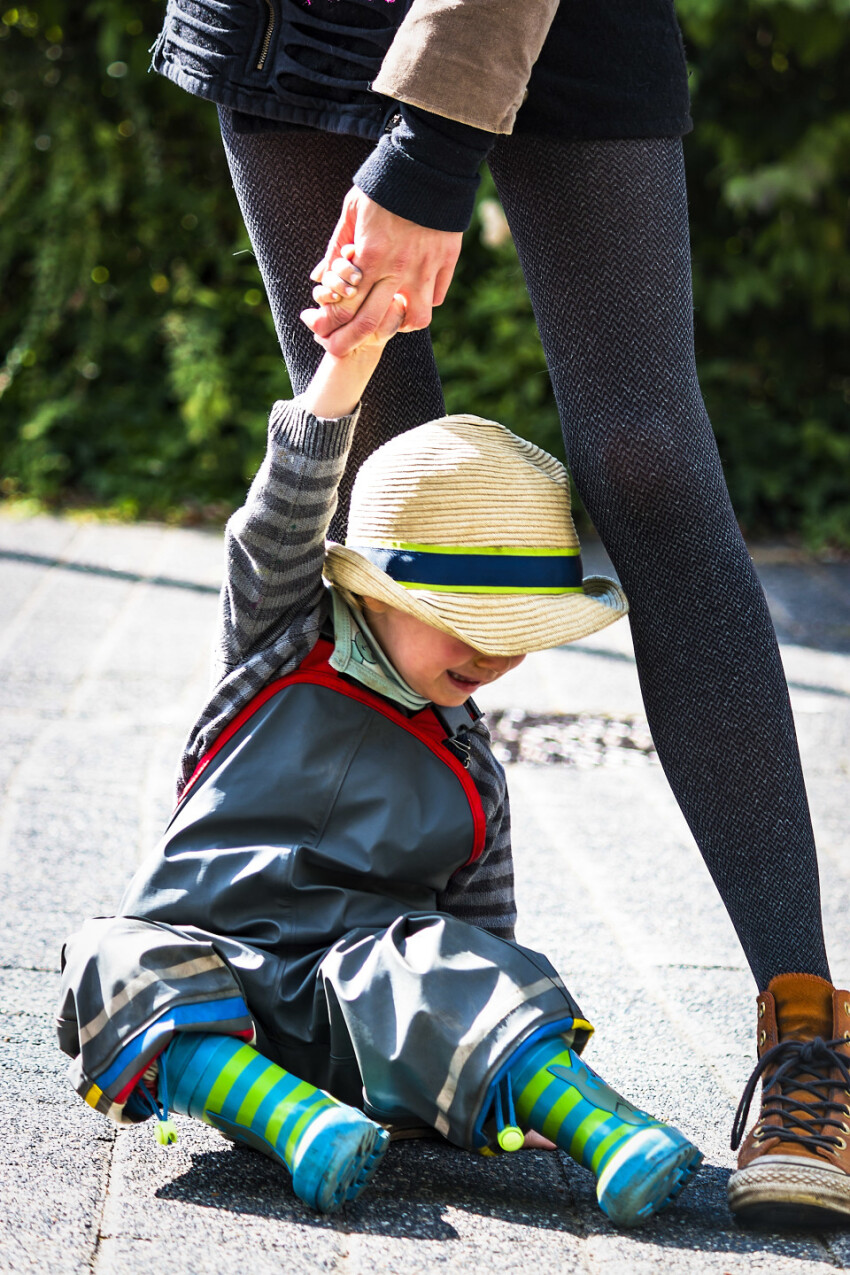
(100, 1236)
(582, 1228)
(99, 652)
(645, 970)
(30, 602)
(12, 797)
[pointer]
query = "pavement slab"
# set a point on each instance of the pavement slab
(104, 643)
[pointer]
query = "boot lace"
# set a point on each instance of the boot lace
(801, 1084)
(153, 1085)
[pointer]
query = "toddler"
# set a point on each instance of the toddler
(321, 947)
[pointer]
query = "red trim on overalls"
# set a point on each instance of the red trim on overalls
(316, 670)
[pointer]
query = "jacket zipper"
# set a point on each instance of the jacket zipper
(268, 36)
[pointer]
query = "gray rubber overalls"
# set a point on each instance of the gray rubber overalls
(292, 901)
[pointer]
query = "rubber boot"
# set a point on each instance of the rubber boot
(640, 1164)
(331, 1150)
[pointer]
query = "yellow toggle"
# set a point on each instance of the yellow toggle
(166, 1132)
(510, 1138)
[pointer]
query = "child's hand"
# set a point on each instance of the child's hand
(339, 282)
(337, 289)
(338, 383)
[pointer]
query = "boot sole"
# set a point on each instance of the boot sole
(780, 1195)
(329, 1176)
(647, 1175)
(335, 1166)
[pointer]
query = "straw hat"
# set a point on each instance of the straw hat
(467, 527)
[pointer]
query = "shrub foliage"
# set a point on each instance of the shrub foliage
(137, 354)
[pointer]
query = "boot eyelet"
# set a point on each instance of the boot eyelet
(761, 1009)
(847, 1035)
(841, 1144)
(763, 1036)
(847, 1007)
(845, 1128)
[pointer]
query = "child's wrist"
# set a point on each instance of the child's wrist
(338, 384)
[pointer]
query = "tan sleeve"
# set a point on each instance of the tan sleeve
(468, 60)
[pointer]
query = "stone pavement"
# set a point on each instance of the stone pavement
(104, 634)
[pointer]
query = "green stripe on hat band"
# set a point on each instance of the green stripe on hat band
(488, 569)
(483, 588)
(508, 551)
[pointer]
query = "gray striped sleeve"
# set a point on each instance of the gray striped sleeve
(483, 893)
(275, 544)
(273, 602)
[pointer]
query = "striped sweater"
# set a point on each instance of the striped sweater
(272, 608)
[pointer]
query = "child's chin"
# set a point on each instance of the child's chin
(456, 693)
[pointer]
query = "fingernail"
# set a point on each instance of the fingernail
(335, 296)
(356, 276)
(349, 291)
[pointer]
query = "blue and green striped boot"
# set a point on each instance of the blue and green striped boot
(330, 1149)
(639, 1163)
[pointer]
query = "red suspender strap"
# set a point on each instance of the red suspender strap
(316, 670)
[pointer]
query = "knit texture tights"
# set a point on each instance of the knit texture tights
(602, 234)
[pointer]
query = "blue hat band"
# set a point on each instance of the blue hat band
(487, 570)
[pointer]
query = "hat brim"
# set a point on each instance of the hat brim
(495, 624)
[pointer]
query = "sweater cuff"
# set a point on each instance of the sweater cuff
(426, 169)
(300, 431)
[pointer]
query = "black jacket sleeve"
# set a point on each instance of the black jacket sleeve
(426, 169)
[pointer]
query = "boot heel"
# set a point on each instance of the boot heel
(337, 1159)
(647, 1173)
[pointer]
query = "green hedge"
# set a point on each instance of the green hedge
(138, 353)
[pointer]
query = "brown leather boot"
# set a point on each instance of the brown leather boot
(794, 1165)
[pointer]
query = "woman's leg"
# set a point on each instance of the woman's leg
(602, 235)
(290, 188)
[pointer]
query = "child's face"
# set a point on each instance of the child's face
(440, 667)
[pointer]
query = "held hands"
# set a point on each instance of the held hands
(340, 380)
(338, 287)
(394, 256)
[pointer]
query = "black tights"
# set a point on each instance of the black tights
(602, 235)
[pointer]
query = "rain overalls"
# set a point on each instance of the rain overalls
(292, 901)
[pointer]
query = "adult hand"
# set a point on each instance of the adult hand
(395, 256)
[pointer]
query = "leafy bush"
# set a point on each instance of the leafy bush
(140, 357)
(769, 169)
(138, 354)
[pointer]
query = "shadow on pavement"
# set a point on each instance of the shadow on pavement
(533, 1189)
(109, 573)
